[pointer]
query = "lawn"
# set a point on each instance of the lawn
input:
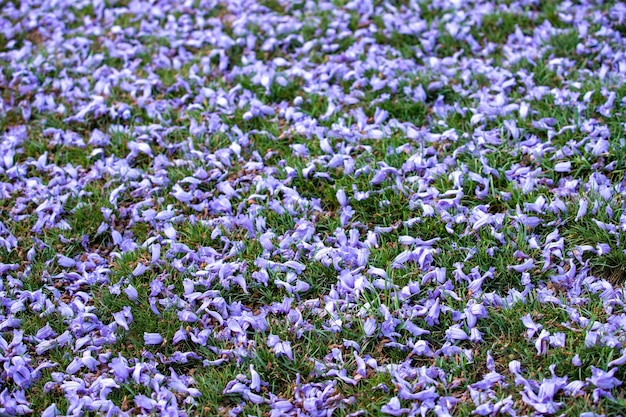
(312, 208)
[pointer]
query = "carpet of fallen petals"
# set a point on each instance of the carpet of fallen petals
(312, 208)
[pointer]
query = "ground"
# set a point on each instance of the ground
(312, 208)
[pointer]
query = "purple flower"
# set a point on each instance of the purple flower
(280, 348)
(20, 372)
(456, 333)
(542, 342)
(563, 167)
(341, 198)
(600, 147)
(394, 408)
(123, 318)
(144, 402)
(179, 336)
(531, 326)
(131, 293)
(66, 262)
(120, 369)
(582, 209)
(414, 329)
(51, 411)
(543, 400)
(557, 340)
(187, 316)
(255, 383)
(139, 270)
(369, 326)
(604, 380)
(152, 338)
(529, 264)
